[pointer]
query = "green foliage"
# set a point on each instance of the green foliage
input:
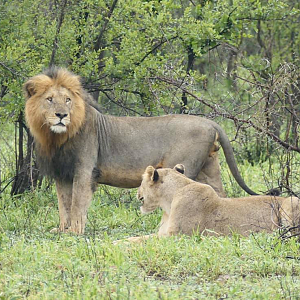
(121, 48)
(124, 48)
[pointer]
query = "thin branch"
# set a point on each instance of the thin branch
(163, 41)
(59, 24)
(107, 18)
(228, 116)
(8, 183)
(12, 71)
(120, 104)
(253, 83)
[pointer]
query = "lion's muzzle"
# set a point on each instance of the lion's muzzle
(141, 199)
(59, 122)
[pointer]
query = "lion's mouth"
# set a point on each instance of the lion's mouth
(147, 210)
(59, 128)
(142, 200)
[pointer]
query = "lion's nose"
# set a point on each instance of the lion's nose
(60, 115)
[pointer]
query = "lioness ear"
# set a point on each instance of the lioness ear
(180, 168)
(155, 176)
(151, 173)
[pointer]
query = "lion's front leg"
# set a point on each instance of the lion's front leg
(64, 195)
(81, 199)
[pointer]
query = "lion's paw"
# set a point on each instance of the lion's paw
(133, 239)
(55, 230)
(59, 230)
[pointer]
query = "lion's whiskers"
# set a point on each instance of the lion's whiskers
(43, 124)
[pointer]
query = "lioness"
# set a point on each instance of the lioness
(190, 206)
(80, 147)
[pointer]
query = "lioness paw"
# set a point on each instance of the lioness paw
(55, 230)
(134, 239)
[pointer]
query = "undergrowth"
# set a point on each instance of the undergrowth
(36, 264)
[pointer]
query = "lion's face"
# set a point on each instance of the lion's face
(152, 186)
(55, 109)
(148, 192)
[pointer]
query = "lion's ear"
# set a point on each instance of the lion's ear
(151, 173)
(37, 84)
(180, 168)
(155, 176)
(29, 89)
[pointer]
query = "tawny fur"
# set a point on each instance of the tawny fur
(35, 113)
(190, 207)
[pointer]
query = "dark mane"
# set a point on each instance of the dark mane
(61, 166)
(52, 72)
(90, 100)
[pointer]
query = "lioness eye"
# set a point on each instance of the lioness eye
(49, 99)
(68, 100)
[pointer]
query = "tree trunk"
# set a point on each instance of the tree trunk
(231, 68)
(27, 173)
(191, 58)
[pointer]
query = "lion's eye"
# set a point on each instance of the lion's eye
(49, 99)
(68, 100)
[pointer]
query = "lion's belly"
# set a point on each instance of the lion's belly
(127, 173)
(121, 178)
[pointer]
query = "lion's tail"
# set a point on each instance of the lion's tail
(229, 155)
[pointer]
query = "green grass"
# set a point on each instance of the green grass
(36, 264)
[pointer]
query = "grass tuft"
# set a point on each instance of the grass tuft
(36, 264)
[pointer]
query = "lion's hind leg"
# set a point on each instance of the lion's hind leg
(211, 174)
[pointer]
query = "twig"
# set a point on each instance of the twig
(228, 116)
(120, 104)
(107, 18)
(55, 42)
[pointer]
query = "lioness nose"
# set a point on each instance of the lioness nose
(61, 116)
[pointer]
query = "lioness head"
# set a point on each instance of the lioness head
(55, 109)
(152, 189)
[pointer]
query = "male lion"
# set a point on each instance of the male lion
(80, 147)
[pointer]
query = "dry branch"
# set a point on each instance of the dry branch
(263, 130)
